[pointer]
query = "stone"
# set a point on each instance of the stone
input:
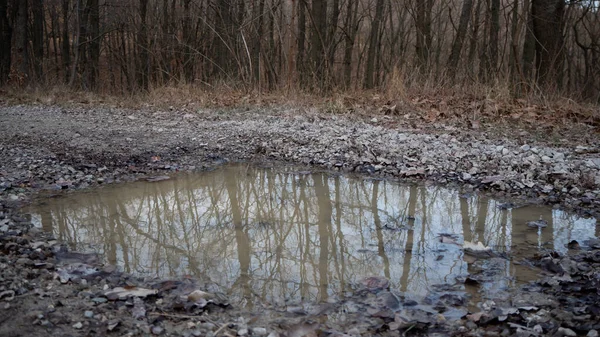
(566, 332)
(592, 333)
(559, 156)
(525, 148)
(78, 325)
(259, 331)
(88, 314)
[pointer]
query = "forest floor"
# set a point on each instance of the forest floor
(46, 148)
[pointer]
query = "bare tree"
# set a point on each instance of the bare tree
(5, 42)
(373, 45)
(547, 24)
(465, 17)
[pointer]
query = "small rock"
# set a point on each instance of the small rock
(546, 159)
(505, 151)
(374, 120)
(99, 300)
(466, 176)
(559, 156)
(242, 332)
(88, 314)
(112, 325)
(525, 148)
(354, 332)
(538, 224)
(156, 330)
(592, 333)
(565, 332)
(259, 331)
(78, 325)
(24, 262)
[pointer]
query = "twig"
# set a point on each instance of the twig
(172, 315)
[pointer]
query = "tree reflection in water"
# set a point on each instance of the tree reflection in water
(282, 236)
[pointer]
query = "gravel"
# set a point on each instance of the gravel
(47, 150)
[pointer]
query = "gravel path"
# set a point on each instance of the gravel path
(514, 162)
(54, 148)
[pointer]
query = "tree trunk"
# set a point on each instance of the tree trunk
(529, 44)
(513, 66)
(258, 41)
(222, 41)
(300, 67)
(493, 44)
(465, 17)
(484, 52)
(423, 27)
(317, 41)
(473, 40)
(142, 46)
(548, 22)
(65, 47)
(94, 39)
(373, 45)
(188, 50)
(37, 7)
(331, 41)
(5, 42)
(351, 27)
(21, 63)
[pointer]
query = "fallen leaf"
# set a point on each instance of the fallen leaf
(198, 295)
(478, 247)
(123, 293)
(476, 316)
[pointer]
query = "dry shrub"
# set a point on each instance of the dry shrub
(408, 94)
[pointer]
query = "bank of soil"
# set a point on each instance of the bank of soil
(48, 150)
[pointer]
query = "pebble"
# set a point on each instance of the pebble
(99, 300)
(259, 331)
(566, 332)
(242, 332)
(156, 330)
(592, 333)
(89, 314)
(78, 325)
(525, 148)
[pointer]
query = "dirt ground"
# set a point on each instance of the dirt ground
(45, 150)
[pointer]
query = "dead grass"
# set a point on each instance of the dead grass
(470, 105)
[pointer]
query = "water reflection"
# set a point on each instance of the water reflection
(280, 236)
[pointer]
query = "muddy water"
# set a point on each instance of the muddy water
(287, 236)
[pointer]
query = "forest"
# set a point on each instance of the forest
(539, 47)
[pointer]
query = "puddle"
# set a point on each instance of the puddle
(287, 236)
